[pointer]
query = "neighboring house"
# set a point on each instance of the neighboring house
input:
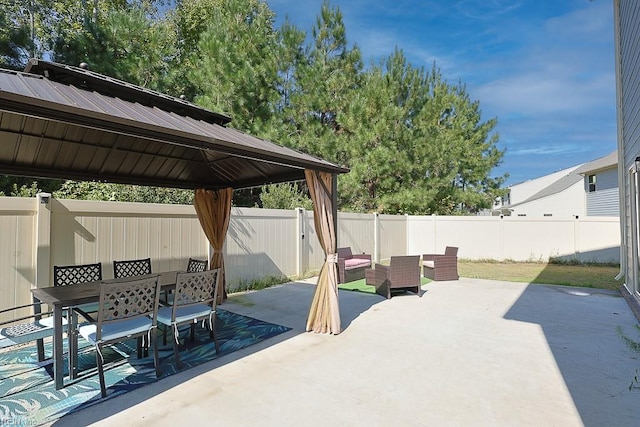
(601, 186)
(627, 48)
(562, 196)
(523, 191)
(588, 189)
(559, 194)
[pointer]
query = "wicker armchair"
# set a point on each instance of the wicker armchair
(402, 273)
(441, 266)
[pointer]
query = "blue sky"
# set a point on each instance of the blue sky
(544, 68)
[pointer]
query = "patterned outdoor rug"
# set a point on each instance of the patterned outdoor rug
(28, 395)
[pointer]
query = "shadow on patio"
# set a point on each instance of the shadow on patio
(579, 325)
(286, 305)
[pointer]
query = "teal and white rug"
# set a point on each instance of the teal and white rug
(27, 391)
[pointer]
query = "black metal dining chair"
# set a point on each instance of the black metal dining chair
(65, 275)
(28, 323)
(193, 266)
(197, 265)
(136, 267)
(128, 309)
(195, 299)
(73, 274)
(129, 268)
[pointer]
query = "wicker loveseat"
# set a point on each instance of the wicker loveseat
(351, 267)
(441, 266)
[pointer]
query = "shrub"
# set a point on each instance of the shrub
(257, 284)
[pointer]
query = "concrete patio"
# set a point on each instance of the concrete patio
(466, 353)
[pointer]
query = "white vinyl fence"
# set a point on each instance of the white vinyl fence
(38, 233)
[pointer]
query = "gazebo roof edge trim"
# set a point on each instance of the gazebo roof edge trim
(130, 127)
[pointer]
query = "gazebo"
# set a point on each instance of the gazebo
(59, 121)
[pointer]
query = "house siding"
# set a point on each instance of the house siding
(627, 46)
(605, 200)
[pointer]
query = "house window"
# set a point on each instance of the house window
(506, 199)
(592, 183)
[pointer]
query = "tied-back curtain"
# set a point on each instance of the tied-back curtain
(214, 211)
(324, 315)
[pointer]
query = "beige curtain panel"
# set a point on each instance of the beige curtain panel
(214, 211)
(324, 315)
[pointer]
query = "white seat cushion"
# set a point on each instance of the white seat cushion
(184, 314)
(429, 264)
(116, 330)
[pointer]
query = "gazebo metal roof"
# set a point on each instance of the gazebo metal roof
(59, 121)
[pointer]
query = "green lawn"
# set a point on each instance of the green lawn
(590, 276)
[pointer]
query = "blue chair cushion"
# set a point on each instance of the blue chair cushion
(183, 314)
(116, 330)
